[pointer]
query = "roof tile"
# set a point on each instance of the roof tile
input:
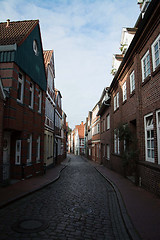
(16, 32)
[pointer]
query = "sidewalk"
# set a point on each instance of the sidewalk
(142, 206)
(23, 188)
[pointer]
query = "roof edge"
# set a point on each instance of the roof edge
(8, 48)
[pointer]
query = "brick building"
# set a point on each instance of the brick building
(23, 76)
(135, 106)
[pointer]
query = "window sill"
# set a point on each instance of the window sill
(124, 102)
(116, 110)
(132, 93)
(20, 103)
(147, 79)
(151, 165)
(155, 71)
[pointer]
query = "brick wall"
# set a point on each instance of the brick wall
(22, 121)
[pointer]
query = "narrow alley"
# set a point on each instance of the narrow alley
(80, 205)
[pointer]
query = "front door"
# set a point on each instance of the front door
(6, 156)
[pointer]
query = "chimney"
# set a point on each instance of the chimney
(81, 122)
(8, 21)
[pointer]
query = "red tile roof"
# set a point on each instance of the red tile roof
(47, 56)
(16, 32)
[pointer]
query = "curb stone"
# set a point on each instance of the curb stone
(134, 235)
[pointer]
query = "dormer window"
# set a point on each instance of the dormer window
(35, 47)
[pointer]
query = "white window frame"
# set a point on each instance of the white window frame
(116, 142)
(158, 134)
(154, 57)
(18, 152)
(132, 81)
(21, 85)
(39, 101)
(31, 97)
(124, 89)
(146, 70)
(108, 121)
(29, 149)
(150, 139)
(108, 152)
(116, 101)
(38, 149)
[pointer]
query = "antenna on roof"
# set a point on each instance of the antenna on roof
(8, 21)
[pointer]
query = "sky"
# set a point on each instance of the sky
(84, 35)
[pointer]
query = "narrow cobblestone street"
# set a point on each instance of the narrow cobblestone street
(80, 205)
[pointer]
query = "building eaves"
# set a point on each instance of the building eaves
(136, 38)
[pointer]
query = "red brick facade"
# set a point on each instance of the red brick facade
(137, 108)
(20, 121)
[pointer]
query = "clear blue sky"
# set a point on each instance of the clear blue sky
(84, 35)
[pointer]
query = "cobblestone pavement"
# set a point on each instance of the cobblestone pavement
(80, 205)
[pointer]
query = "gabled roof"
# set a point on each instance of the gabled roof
(47, 57)
(16, 32)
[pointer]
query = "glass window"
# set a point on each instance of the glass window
(124, 89)
(29, 149)
(132, 82)
(20, 88)
(145, 62)
(149, 138)
(108, 152)
(156, 52)
(116, 142)
(108, 121)
(39, 101)
(18, 152)
(38, 149)
(31, 95)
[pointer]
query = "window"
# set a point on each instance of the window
(104, 154)
(158, 133)
(116, 142)
(35, 47)
(18, 152)
(82, 142)
(29, 149)
(145, 63)
(156, 52)
(132, 82)
(149, 138)
(116, 101)
(124, 89)
(20, 88)
(108, 152)
(31, 95)
(39, 101)
(38, 149)
(108, 121)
